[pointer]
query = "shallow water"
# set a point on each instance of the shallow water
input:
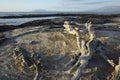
(23, 13)
(18, 21)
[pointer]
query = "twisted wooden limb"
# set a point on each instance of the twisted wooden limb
(22, 54)
(72, 31)
(78, 42)
(87, 50)
(74, 59)
(82, 52)
(117, 71)
(83, 64)
(27, 60)
(36, 60)
(37, 76)
(83, 60)
(101, 52)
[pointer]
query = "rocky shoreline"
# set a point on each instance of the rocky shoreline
(62, 14)
(56, 21)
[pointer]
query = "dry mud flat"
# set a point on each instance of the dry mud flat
(49, 53)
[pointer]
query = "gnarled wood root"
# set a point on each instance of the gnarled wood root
(28, 60)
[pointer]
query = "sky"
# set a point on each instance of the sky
(54, 5)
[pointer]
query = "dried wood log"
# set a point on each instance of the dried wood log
(117, 71)
(87, 50)
(38, 71)
(102, 53)
(72, 31)
(27, 60)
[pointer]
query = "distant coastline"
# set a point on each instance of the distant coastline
(4, 15)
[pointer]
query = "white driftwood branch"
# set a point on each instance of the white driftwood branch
(72, 31)
(87, 51)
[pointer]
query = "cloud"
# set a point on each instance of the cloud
(84, 5)
(73, 0)
(85, 2)
(92, 3)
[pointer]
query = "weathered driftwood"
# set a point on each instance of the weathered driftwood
(38, 71)
(86, 49)
(102, 53)
(117, 71)
(28, 60)
(78, 61)
(72, 31)
(116, 67)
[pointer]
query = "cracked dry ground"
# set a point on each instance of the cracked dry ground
(53, 49)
